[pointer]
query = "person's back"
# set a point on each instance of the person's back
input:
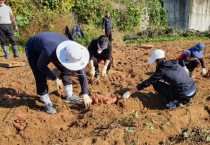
(176, 76)
(47, 41)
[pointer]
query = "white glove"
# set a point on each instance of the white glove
(203, 71)
(126, 95)
(87, 100)
(104, 72)
(58, 84)
(92, 72)
(185, 68)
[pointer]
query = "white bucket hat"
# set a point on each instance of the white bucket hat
(156, 54)
(72, 55)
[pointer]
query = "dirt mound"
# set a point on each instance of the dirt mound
(142, 119)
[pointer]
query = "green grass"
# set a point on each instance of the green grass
(162, 39)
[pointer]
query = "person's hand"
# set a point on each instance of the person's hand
(185, 68)
(16, 28)
(58, 84)
(203, 71)
(87, 100)
(92, 72)
(103, 73)
(126, 95)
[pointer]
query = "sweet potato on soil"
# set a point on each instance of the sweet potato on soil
(100, 98)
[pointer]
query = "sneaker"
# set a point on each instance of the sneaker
(49, 108)
(172, 105)
(73, 99)
(6, 56)
(16, 55)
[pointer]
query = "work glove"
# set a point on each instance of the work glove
(126, 95)
(185, 68)
(87, 100)
(58, 84)
(203, 71)
(92, 72)
(103, 73)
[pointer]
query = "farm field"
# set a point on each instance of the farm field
(140, 120)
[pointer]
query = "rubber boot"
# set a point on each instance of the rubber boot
(15, 50)
(6, 53)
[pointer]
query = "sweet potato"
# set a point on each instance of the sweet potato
(100, 98)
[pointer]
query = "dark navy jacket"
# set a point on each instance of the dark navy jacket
(107, 23)
(77, 30)
(171, 72)
(105, 54)
(43, 46)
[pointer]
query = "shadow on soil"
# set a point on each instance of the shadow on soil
(149, 100)
(10, 98)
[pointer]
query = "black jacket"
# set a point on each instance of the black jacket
(171, 72)
(93, 47)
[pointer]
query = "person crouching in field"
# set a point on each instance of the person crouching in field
(170, 80)
(189, 59)
(100, 50)
(67, 56)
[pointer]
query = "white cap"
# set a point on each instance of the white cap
(156, 54)
(72, 55)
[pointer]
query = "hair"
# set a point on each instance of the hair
(161, 60)
(103, 38)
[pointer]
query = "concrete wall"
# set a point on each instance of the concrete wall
(199, 18)
(178, 13)
(189, 14)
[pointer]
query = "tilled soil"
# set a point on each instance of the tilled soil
(140, 120)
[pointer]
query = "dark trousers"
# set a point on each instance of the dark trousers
(6, 30)
(97, 60)
(41, 78)
(167, 91)
(192, 65)
(108, 33)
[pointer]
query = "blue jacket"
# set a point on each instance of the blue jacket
(171, 72)
(77, 30)
(188, 56)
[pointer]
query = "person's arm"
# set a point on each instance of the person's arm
(84, 90)
(153, 79)
(104, 23)
(203, 66)
(109, 53)
(42, 63)
(83, 81)
(183, 60)
(107, 61)
(202, 63)
(12, 18)
(91, 50)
